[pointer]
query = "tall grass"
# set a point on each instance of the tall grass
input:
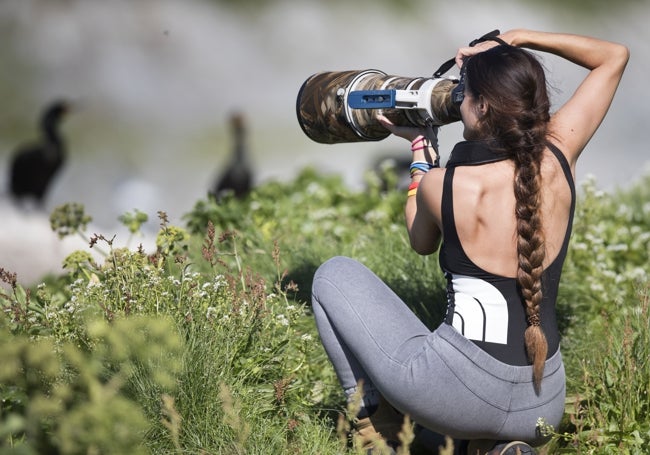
(207, 344)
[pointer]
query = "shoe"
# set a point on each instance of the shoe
(512, 448)
(378, 433)
(486, 447)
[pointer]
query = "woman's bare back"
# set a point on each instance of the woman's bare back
(484, 211)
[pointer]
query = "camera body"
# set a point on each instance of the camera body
(342, 106)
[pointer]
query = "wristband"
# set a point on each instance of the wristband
(423, 166)
(413, 189)
(422, 143)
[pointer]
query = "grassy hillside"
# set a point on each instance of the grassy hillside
(207, 344)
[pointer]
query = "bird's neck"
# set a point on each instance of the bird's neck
(52, 136)
(240, 146)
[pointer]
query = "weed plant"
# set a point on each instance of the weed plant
(207, 345)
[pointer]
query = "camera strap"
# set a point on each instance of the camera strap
(474, 153)
(492, 36)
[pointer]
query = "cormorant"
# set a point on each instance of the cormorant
(398, 166)
(238, 176)
(33, 167)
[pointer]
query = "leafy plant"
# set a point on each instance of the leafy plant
(608, 413)
(207, 343)
(59, 397)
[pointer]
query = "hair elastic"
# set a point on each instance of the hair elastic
(426, 144)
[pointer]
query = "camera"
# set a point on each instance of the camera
(342, 106)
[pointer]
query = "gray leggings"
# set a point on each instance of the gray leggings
(441, 379)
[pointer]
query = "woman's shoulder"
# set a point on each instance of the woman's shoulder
(557, 160)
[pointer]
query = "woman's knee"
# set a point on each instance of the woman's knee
(333, 274)
(335, 267)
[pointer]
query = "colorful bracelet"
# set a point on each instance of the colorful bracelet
(420, 139)
(426, 144)
(423, 166)
(413, 189)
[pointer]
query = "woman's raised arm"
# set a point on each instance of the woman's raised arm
(575, 122)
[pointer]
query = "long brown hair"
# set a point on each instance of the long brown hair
(513, 84)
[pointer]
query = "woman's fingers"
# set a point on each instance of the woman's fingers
(467, 51)
(407, 132)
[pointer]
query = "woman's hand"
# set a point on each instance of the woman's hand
(422, 151)
(410, 132)
(467, 51)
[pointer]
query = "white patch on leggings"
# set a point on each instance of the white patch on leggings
(480, 310)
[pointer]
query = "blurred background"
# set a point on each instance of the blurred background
(153, 83)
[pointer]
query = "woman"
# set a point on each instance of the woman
(503, 209)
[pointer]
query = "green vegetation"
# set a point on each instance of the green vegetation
(207, 345)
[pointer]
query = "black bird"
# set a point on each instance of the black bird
(237, 179)
(393, 171)
(33, 167)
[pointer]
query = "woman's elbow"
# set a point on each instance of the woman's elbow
(622, 55)
(424, 248)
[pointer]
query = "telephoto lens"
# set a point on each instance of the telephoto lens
(342, 106)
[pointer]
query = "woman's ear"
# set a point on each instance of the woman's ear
(482, 105)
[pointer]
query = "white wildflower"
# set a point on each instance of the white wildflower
(638, 273)
(610, 274)
(623, 210)
(597, 287)
(646, 207)
(617, 247)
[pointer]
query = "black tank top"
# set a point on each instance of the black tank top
(486, 308)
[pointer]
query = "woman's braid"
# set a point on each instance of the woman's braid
(531, 253)
(513, 83)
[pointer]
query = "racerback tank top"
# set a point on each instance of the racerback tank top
(487, 308)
